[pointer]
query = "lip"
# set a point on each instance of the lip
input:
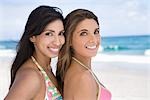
(54, 50)
(91, 47)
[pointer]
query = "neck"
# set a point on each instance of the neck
(43, 62)
(88, 67)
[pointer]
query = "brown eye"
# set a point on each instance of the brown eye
(83, 33)
(61, 33)
(96, 31)
(49, 34)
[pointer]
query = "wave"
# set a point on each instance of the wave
(8, 45)
(115, 48)
(111, 48)
(7, 53)
(147, 52)
(2, 47)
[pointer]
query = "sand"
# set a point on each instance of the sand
(127, 77)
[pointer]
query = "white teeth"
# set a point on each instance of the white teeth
(54, 49)
(91, 47)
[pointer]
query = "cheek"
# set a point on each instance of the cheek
(62, 40)
(98, 40)
(78, 45)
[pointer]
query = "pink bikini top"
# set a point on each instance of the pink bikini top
(103, 93)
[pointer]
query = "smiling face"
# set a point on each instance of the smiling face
(50, 41)
(86, 38)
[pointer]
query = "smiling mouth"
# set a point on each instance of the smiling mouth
(91, 47)
(54, 49)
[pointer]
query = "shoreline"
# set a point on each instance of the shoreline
(126, 76)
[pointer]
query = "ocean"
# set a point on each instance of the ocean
(128, 45)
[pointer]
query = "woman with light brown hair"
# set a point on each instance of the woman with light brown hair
(74, 73)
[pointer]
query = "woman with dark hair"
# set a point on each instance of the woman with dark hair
(74, 72)
(31, 74)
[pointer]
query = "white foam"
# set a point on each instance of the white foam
(100, 49)
(147, 52)
(7, 53)
(122, 58)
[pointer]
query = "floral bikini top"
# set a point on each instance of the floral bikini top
(52, 92)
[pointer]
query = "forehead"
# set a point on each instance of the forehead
(87, 24)
(57, 24)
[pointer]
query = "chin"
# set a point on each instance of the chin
(93, 55)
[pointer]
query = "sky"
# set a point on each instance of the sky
(116, 17)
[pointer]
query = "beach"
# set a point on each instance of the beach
(127, 77)
(5, 64)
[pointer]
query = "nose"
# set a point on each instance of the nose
(93, 39)
(57, 41)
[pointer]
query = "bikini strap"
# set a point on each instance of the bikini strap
(37, 64)
(95, 77)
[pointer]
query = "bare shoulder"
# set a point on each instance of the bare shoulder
(85, 80)
(86, 87)
(26, 85)
(29, 75)
(80, 86)
(79, 78)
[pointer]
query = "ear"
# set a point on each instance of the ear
(33, 39)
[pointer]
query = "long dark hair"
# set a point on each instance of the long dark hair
(37, 21)
(64, 57)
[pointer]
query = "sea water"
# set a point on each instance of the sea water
(130, 45)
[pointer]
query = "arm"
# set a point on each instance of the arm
(86, 88)
(25, 86)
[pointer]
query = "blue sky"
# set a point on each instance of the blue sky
(117, 17)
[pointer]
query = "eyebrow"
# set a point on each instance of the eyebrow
(52, 31)
(87, 30)
(49, 30)
(82, 30)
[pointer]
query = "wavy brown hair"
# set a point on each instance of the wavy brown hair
(66, 53)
